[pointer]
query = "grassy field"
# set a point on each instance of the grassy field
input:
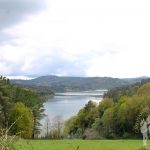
(80, 145)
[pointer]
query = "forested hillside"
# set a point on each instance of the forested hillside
(21, 109)
(65, 84)
(43, 91)
(127, 90)
(118, 115)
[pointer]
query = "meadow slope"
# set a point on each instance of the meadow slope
(80, 145)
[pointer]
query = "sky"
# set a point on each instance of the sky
(74, 38)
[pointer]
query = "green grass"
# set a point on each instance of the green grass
(82, 144)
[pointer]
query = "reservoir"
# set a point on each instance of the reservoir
(68, 104)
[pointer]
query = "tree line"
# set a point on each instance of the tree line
(118, 115)
(21, 109)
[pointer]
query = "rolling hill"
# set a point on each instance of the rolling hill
(66, 84)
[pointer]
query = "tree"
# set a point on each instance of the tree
(33, 101)
(5, 109)
(144, 90)
(104, 104)
(71, 126)
(55, 130)
(107, 121)
(84, 119)
(11, 94)
(47, 126)
(22, 119)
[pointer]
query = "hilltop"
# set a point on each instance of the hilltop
(65, 84)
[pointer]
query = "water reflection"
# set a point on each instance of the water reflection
(68, 104)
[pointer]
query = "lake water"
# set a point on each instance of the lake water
(68, 104)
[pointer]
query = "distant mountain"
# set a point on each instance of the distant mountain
(134, 80)
(63, 84)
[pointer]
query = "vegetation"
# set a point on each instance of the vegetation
(82, 145)
(43, 91)
(65, 84)
(128, 90)
(24, 118)
(22, 106)
(116, 116)
(54, 129)
(7, 142)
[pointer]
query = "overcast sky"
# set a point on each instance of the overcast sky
(75, 38)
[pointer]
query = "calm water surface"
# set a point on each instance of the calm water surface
(68, 104)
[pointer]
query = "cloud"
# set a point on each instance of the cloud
(15, 11)
(15, 61)
(79, 38)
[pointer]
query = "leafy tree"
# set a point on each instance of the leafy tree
(114, 118)
(32, 100)
(144, 90)
(11, 94)
(104, 104)
(5, 109)
(71, 126)
(107, 121)
(22, 119)
(85, 118)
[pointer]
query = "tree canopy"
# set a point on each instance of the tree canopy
(117, 115)
(22, 103)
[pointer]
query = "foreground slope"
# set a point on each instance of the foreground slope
(81, 145)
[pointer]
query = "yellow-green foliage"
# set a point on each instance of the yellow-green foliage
(22, 119)
(114, 119)
(144, 90)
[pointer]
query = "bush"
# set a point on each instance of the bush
(7, 142)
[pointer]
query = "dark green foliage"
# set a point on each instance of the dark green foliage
(63, 84)
(30, 103)
(43, 91)
(85, 118)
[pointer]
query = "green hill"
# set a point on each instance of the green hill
(64, 84)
